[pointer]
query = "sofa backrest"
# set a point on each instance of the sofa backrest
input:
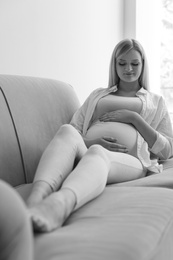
(31, 112)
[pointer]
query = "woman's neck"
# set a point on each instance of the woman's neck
(128, 89)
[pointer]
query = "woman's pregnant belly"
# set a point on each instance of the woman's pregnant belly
(125, 134)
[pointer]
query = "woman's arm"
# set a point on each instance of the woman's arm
(148, 133)
(159, 141)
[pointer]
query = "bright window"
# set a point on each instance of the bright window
(166, 63)
(154, 29)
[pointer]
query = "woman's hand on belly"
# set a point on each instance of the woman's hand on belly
(123, 116)
(109, 143)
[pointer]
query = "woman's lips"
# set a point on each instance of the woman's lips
(129, 74)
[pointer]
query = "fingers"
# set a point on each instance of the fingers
(111, 144)
(118, 149)
(110, 116)
(105, 118)
(110, 139)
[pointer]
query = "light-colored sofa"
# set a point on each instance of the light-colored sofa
(128, 221)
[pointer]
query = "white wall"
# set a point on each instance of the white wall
(68, 40)
(130, 18)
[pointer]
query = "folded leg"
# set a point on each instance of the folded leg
(56, 163)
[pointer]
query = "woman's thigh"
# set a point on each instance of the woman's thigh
(124, 167)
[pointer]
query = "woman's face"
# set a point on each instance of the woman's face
(129, 66)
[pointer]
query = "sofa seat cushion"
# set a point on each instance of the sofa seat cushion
(122, 223)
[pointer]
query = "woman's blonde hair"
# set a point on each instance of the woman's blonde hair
(123, 47)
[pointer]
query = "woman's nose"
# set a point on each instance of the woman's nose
(128, 67)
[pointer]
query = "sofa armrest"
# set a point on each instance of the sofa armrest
(37, 108)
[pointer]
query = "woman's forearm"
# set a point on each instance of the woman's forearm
(147, 132)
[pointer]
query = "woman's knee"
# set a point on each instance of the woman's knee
(67, 131)
(73, 138)
(98, 150)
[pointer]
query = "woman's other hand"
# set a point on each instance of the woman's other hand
(109, 143)
(123, 116)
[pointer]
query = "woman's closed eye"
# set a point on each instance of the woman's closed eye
(121, 64)
(124, 64)
(135, 64)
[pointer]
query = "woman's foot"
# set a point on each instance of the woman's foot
(53, 211)
(40, 190)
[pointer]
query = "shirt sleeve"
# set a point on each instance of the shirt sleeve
(77, 120)
(163, 147)
(81, 115)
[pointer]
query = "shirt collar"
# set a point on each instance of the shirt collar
(141, 91)
(113, 88)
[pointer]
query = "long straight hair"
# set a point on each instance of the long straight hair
(124, 47)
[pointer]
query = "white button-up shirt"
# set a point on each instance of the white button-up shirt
(154, 112)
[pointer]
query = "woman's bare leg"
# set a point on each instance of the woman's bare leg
(15, 227)
(85, 182)
(56, 163)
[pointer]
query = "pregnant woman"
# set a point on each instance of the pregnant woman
(117, 135)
